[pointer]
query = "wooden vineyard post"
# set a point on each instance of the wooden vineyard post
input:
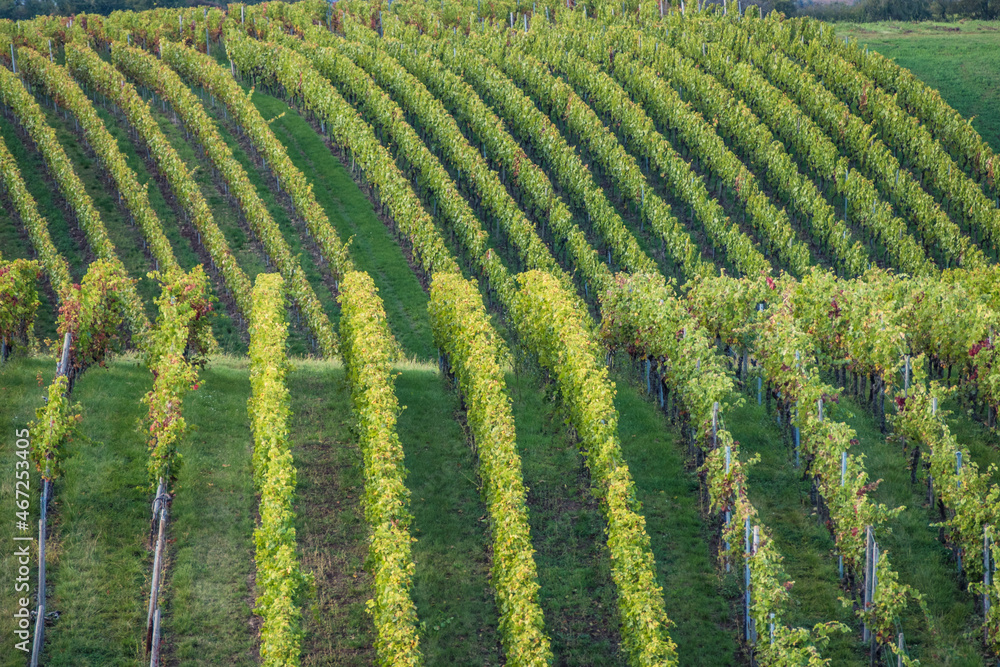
(906, 377)
(958, 482)
(760, 380)
(871, 583)
(796, 434)
(871, 597)
(659, 382)
(715, 429)
(754, 546)
(161, 510)
(36, 649)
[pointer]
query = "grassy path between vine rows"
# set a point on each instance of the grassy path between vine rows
(372, 246)
(98, 561)
(99, 565)
(209, 597)
(20, 396)
(457, 615)
(695, 594)
(780, 493)
(916, 554)
(577, 594)
(331, 529)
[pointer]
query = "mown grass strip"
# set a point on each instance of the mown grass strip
(371, 245)
(208, 598)
(331, 528)
(20, 396)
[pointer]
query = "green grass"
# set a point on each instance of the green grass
(916, 554)
(669, 497)
(451, 588)
(577, 595)
(99, 565)
(781, 495)
(961, 60)
(372, 246)
(208, 595)
(331, 528)
(20, 396)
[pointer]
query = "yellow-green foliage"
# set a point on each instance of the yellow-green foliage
(463, 331)
(18, 299)
(367, 347)
(281, 584)
(53, 425)
(153, 73)
(553, 329)
(177, 347)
